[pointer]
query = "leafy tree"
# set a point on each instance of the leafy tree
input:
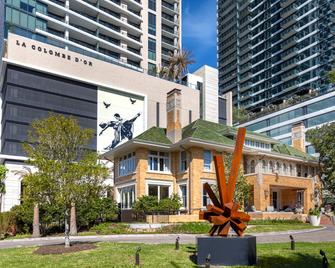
(242, 190)
(68, 171)
(331, 76)
(178, 64)
(323, 140)
(240, 114)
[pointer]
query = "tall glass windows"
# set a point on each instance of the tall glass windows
(152, 49)
(207, 160)
(127, 196)
(183, 161)
(152, 24)
(152, 5)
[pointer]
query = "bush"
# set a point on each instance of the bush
(150, 205)
(95, 211)
(23, 217)
(7, 224)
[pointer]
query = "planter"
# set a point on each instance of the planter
(314, 220)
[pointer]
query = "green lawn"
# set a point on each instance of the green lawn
(122, 255)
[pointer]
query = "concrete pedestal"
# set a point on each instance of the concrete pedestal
(227, 251)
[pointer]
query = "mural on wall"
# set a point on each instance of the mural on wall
(120, 118)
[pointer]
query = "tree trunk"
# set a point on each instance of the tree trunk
(73, 220)
(67, 229)
(36, 221)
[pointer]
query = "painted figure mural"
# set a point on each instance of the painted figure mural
(122, 129)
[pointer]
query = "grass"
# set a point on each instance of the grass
(122, 255)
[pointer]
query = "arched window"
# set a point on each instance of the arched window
(264, 166)
(271, 166)
(284, 169)
(278, 167)
(252, 166)
(291, 170)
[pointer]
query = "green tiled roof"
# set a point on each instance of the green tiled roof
(289, 150)
(154, 134)
(218, 133)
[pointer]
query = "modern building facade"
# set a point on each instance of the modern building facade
(213, 107)
(308, 114)
(270, 50)
(179, 160)
(37, 78)
(139, 34)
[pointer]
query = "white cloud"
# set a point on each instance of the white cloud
(200, 23)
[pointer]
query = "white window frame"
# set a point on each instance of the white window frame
(181, 162)
(167, 168)
(180, 193)
(126, 165)
(120, 196)
(205, 167)
(159, 183)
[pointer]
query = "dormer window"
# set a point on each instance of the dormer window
(257, 144)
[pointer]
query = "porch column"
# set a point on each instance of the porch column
(261, 194)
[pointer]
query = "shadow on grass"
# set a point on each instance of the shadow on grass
(296, 260)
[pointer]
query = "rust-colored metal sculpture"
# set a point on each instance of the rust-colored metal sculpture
(224, 213)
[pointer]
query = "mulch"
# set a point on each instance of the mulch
(60, 249)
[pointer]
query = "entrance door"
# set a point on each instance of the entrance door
(275, 200)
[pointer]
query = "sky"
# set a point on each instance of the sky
(199, 31)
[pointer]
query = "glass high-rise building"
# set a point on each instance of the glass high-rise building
(270, 50)
(139, 34)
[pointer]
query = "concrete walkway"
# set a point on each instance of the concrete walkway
(313, 235)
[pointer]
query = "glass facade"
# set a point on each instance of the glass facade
(270, 50)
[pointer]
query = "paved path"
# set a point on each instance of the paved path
(315, 235)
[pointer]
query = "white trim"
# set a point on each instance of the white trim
(158, 183)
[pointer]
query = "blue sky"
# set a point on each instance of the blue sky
(199, 31)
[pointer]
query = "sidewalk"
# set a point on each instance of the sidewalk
(314, 235)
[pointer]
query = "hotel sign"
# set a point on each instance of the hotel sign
(54, 52)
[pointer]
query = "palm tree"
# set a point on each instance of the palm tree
(178, 64)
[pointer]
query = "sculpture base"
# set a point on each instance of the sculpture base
(227, 251)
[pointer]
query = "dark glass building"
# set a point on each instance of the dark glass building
(271, 50)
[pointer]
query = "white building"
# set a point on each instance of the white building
(140, 34)
(213, 107)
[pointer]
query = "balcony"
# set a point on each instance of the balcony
(289, 11)
(289, 32)
(289, 43)
(169, 8)
(246, 59)
(289, 21)
(294, 74)
(286, 3)
(245, 77)
(292, 64)
(291, 54)
(246, 86)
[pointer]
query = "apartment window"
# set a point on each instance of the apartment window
(159, 191)
(190, 116)
(127, 196)
(152, 69)
(152, 49)
(183, 195)
(152, 24)
(127, 164)
(207, 160)
(183, 161)
(159, 161)
(152, 5)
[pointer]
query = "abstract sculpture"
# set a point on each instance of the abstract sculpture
(224, 213)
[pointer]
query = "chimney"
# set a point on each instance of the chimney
(173, 112)
(298, 136)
